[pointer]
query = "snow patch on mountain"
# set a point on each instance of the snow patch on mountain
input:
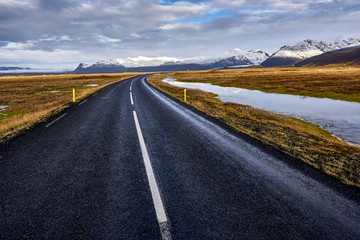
(107, 62)
(256, 57)
(289, 55)
(301, 54)
(355, 44)
(235, 57)
(142, 61)
(84, 65)
(346, 37)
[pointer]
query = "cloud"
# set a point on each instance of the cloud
(99, 29)
(55, 5)
(180, 25)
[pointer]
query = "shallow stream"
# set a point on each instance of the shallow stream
(341, 118)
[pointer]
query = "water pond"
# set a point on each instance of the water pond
(2, 107)
(341, 118)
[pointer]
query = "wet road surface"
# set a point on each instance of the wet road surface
(130, 163)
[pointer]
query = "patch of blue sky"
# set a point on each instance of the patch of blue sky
(254, 9)
(169, 2)
(313, 12)
(350, 8)
(205, 18)
(4, 43)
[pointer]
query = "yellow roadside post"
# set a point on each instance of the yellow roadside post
(184, 95)
(73, 94)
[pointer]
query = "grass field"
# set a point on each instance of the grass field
(34, 98)
(299, 139)
(341, 83)
(31, 99)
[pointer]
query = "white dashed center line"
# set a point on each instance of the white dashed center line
(131, 99)
(158, 203)
(83, 102)
(49, 124)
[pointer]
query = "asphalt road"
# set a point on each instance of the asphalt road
(130, 163)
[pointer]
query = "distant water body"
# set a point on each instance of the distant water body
(341, 118)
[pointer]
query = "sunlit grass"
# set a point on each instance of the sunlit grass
(34, 98)
(342, 83)
(299, 139)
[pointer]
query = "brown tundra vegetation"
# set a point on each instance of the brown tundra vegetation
(31, 99)
(301, 140)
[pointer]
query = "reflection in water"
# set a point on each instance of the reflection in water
(341, 118)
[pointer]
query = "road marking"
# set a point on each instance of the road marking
(95, 94)
(131, 99)
(49, 124)
(155, 193)
(130, 88)
(83, 102)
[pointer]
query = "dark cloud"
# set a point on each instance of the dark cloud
(55, 5)
(80, 30)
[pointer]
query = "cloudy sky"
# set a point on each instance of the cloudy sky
(63, 33)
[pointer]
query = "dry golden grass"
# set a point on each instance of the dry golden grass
(34, 98)
(333, 82)
(299, 139)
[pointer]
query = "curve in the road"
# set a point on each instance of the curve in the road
(129, 158)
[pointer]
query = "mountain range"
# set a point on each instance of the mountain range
(348, 56)
(232, 58)
(291, 55)
(285, 56)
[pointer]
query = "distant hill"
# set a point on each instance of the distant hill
(232, 58)
(345, 55)
(104, 66)
(13, 68)
(291, 55)
(119, 68)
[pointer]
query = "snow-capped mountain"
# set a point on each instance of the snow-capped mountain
(290, 55)
(230, 58)
(142, 61)
(348, 56)
(235, 57)
(103, 66)
(251, 56)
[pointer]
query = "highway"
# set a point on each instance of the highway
(131, 163)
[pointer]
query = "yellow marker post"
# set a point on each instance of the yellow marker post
(184, 95)
(73, 95)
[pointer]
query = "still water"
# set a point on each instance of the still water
(341, 118)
